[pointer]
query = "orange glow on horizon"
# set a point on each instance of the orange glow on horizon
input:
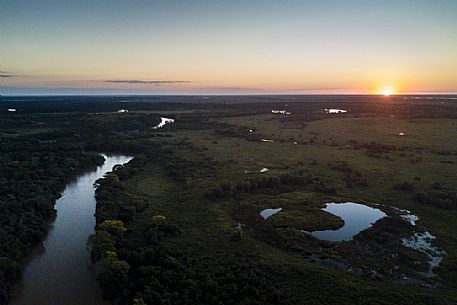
(387, 91)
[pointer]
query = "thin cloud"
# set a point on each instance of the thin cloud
(272, 91)
(227, 88)
(6, 74)
(320, 88)
(150, 82)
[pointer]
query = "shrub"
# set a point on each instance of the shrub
(158, 220)
(404, 186)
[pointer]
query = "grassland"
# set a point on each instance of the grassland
(203, 184)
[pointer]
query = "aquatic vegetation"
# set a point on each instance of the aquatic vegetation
(422, 242)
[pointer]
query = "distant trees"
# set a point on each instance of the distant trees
(300, 178)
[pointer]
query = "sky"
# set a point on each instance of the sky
(227, 47)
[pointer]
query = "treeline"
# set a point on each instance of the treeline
(352, 177)
(302, 107)
(284, 182)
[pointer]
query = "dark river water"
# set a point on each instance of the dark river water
(59, 271)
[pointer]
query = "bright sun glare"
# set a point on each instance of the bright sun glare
(387, 91)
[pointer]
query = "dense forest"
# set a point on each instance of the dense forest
(39, 155)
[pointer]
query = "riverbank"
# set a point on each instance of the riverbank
(60, 273)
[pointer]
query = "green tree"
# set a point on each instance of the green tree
(115, 227)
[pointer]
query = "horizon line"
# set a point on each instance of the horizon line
(231, 94)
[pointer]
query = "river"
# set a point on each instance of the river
(59, 271)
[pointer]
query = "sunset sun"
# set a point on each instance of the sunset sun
(386, 91)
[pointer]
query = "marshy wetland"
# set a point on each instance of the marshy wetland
(235, 204)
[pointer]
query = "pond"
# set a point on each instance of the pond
(163, 122)
(269, 212)
(280, 112)
(357, 217)
(334, 110)
(58, 272)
